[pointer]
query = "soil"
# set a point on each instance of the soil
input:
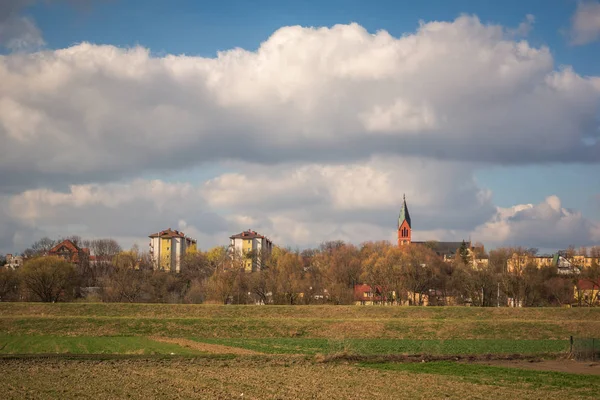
(564, 365)
(243, 378)
(205, 347)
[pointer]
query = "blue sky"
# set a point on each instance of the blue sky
(204, 28)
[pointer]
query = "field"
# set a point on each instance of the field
(84, 350)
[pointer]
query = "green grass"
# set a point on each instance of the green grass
(310, 329)
(394, 346)
(88, 345)
(583, 385)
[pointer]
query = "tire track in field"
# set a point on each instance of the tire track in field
(205, 347)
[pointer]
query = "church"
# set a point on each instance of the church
(447, 250)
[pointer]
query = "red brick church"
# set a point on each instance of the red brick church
(444, 249)
(404, 225)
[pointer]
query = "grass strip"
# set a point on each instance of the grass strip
(392, 346)
(584, 385)
(46, 344)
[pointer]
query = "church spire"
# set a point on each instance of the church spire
(404, 215)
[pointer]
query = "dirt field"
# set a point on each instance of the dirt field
(243, 378)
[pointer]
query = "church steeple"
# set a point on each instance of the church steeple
(404, 215)
(404, 225)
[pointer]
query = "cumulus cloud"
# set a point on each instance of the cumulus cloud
(440, 193)
(459, 90)
(545, 225)
(585, 23)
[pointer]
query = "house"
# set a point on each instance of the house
(586, 292)
(518, 261)
(367, 295)
(13, 262)
(70, 251)
(564, 265)
(581, 261)
(169, 247)
(250, 247)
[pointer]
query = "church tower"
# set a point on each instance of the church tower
(404, 225)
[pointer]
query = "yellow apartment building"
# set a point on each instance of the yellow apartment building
(250, 246)
(169, 247)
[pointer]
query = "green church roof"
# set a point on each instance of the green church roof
(404, 215)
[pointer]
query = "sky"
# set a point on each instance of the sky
(305, 121)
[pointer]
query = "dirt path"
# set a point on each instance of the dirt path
(570, 366)
(207, 347)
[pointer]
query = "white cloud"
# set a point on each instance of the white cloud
(456, 90)
(544, 225)
(585, 22)
(324, 128)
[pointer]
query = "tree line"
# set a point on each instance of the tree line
(327, 274)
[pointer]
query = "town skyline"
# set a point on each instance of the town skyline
(304, 123)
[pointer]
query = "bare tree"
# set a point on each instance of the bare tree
(125, 280)
(559, 289)
(197, 266)
(417, 271)
(39, 247)
(9, 282)
(103, 250)
(49, 279)
(76, 239)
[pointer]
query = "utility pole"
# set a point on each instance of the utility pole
(498, 296)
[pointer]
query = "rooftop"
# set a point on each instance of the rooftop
(445, 248)
(249, 234)
(168, 233)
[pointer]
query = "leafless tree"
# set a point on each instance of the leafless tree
(48, 279)
(8, 284)
(39, 247)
